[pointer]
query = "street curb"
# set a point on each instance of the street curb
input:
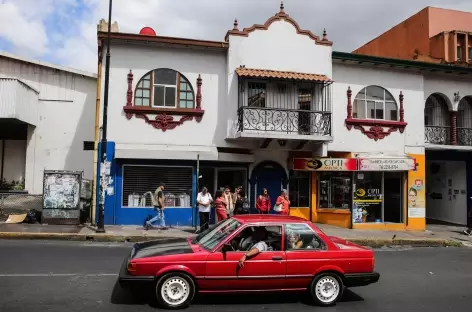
(84, 237)
(378, 243)
(368, 242)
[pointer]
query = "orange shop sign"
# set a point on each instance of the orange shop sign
(325, 164)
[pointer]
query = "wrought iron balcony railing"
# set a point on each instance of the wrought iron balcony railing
(437, 135)
(288, 121)
(464, 136)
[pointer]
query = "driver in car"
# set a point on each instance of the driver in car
(258, 237)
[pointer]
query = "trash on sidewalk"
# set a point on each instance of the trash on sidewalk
(14, 219)
(32, 216)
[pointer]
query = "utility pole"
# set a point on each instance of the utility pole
(103, 149)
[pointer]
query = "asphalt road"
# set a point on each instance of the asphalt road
(76, 276)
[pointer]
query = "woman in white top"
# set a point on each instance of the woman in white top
(204, 201)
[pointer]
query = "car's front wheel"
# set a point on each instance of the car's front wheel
(326, 289)
(175, 290)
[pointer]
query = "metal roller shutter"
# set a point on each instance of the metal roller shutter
(139, 180)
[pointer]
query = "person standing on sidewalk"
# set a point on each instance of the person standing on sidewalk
(158, 203)
(242, 206)
(204, 201)
(229, 200)
(283, 201)
(263, 203)
(236, 194)
(220, 206)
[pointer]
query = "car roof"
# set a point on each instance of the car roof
(269, 218)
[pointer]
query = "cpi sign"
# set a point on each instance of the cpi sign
(325, 164)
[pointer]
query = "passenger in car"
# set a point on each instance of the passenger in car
(294, 240)
(258, 236)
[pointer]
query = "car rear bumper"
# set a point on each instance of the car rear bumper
(361, 279)
(127, 280)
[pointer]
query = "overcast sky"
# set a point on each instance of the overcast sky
(64, 31)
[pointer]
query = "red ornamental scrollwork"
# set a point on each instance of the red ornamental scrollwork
(376, 132)
(163, 121)
(163, 118)
(373, 128)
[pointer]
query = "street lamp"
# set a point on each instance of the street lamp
(103, 149)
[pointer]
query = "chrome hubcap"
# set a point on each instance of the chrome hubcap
(175, 291)
(327, 289)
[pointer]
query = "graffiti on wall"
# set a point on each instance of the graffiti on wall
(61, 190)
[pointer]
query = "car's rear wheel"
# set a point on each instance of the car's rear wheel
(326, 289)
(175, 290)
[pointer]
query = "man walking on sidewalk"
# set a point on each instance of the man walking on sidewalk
(158, 203)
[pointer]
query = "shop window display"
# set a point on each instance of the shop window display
(140, 183)
(335, 190)
(368, 197)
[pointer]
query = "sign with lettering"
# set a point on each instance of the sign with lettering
(325, 164)
(386, 164)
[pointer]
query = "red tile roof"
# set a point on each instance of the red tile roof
(265, 73)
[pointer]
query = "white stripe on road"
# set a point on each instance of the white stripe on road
(58, 275)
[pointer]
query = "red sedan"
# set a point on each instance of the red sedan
(251, 253)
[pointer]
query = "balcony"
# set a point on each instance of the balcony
(282, 105)
(445, 128)
(464, 136)
(284, 121)
(438, 135)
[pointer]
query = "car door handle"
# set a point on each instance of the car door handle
(277, 258)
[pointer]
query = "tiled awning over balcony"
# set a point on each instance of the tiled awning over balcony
(265, 73)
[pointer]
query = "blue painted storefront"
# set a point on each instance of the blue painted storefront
(115, 213)
(268, 174)
(182, 216)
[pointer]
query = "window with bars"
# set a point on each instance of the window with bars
(140, 183)
(256, 94)
(165, 88)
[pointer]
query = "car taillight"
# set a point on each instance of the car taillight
(373, 263)
(131, 267)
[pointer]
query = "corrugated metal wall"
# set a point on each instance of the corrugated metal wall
(52, 84)
(18, 101)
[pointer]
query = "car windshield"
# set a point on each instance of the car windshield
(219, 233)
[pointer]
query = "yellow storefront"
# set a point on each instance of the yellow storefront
(365, 193)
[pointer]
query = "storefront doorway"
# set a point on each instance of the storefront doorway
(393, 202)
(218, 178)
(378, 197)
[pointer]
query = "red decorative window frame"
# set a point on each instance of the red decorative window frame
(374, 129)
(164, 117)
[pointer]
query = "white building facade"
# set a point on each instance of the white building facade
(47, 115)
(271, 107)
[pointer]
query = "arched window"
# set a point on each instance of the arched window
(164, 88)
(375, 102)
(436, 111)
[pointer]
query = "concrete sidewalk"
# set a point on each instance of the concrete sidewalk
(436, 235)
